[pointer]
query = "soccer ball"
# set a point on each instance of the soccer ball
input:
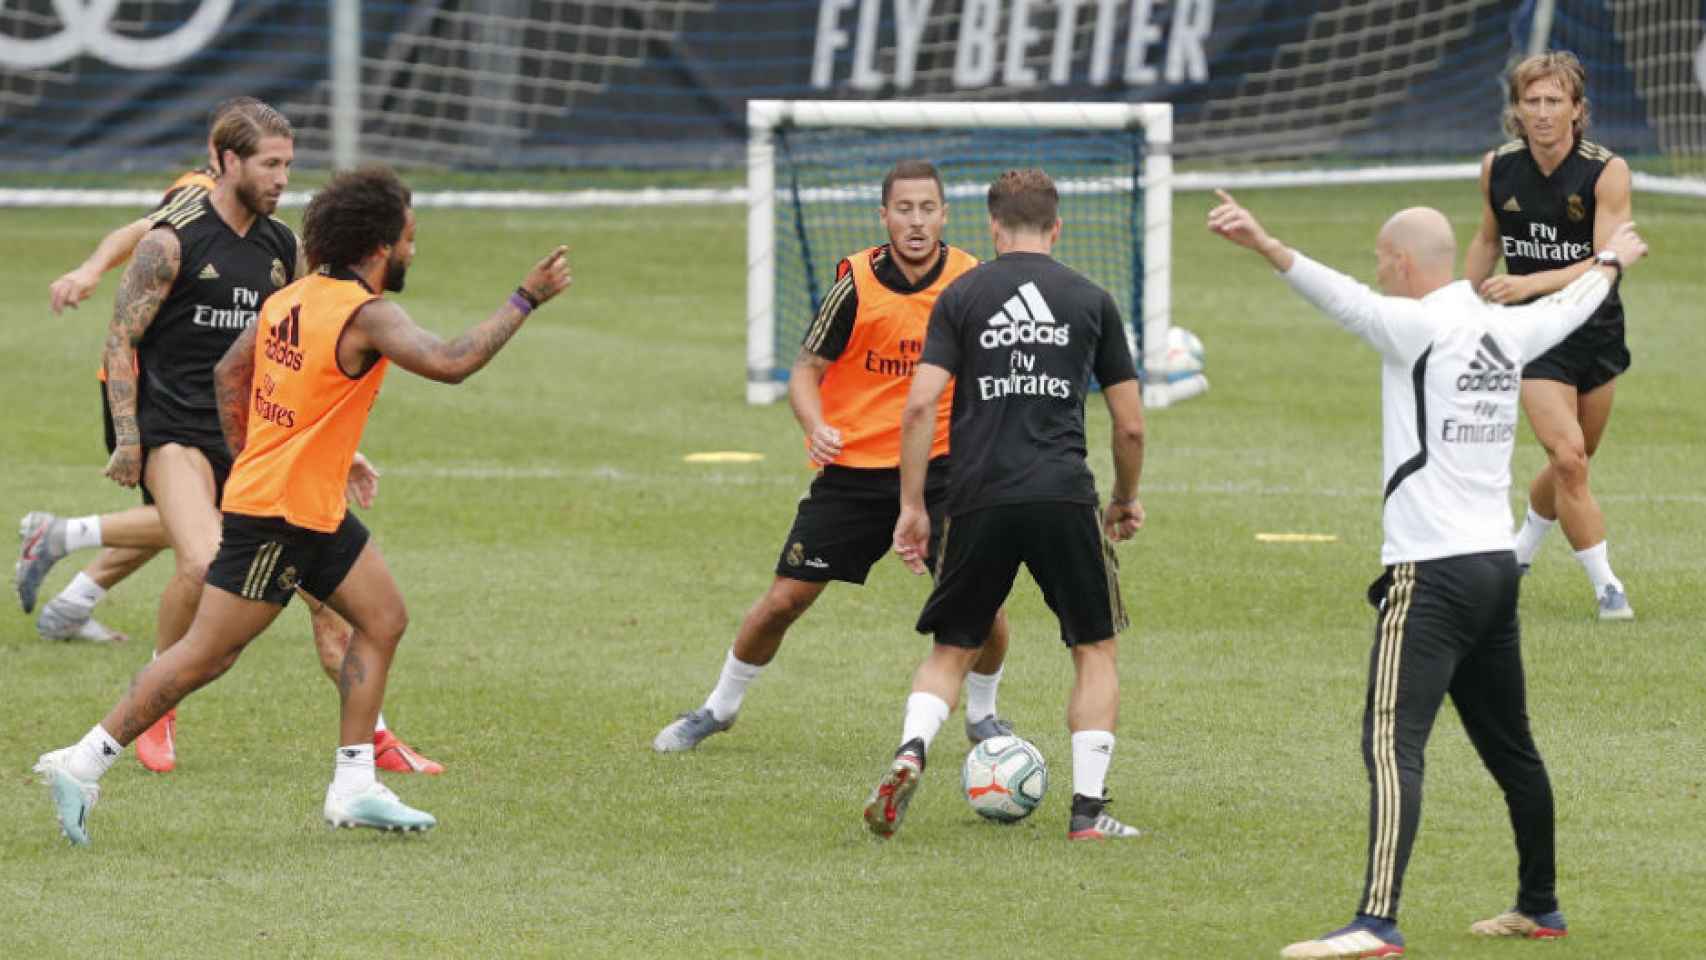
(1004, 779)
(1184, 354)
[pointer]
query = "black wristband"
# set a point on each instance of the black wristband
(526, 294)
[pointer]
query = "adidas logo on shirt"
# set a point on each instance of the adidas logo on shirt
(1512, 206)
(1024, 319)
(208, 273)
(1490, 370)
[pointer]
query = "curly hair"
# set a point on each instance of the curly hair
(354, 215)
(1024, 200)
(1559, 65)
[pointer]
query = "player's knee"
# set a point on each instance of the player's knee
(192, 566)
(1570, 465)
(782, 607)
(388, 627)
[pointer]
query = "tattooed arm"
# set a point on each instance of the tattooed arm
(383, 328)
(233, 378)
(147, 281)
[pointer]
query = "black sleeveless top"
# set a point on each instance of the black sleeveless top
(1546, 222)
(222, 280)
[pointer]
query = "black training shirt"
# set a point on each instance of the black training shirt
(1023, 334)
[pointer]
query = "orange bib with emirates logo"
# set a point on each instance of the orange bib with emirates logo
(306, 415)
(864, 390)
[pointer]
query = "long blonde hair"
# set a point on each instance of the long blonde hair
(1559, 65)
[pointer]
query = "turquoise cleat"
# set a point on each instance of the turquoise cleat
(375, 807)
(72, 798)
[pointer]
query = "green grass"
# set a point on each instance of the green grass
(573, 584)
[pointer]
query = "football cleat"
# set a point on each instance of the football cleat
(988, 728)
(37, 554)
(892, 794)
(60, 620)
(72, 798)
(1362, 938)
(1614, 604)
(390, 753)
(377, 808)
(1515, 923)
(1090, 821)
(157, 748)
(689, 730)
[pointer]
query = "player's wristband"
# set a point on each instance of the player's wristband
(521, 304)
(525, 294)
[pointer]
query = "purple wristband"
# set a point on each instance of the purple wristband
(520, 303)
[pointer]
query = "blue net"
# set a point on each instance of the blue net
(829, 186)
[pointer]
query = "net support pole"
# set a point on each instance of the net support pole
(1157, 120)
(762, 116)
(346, 83)
(1540, 30)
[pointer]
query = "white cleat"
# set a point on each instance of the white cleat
(72, 798)
(375, 807)
(1614, 604)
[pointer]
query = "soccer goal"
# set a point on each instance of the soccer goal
(814, 176)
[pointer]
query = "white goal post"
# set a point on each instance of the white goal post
(766, 371)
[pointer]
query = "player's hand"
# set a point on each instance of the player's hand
(1506, 288)
(824, 445)
(363, 483)
(125, 466)
(1236, 223)
(72, 289)
(912, 537)
(1627, 244)
(549, 276)
(1121, 521)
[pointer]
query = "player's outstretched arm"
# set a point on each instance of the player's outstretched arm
(115, 248)
(384, 328)
(1540, 325)
(145, 285)
(1124, 515)
(233, 379)
(1240, 226)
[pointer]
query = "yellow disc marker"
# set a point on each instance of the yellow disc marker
(1297, 538)
(724, 456)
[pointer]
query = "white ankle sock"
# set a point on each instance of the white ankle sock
(82, 593)
(1598, 567)
(1528, 539)
(925, 714)
(379, 724)
(725, 698)
(82, 532)
(94, 754)
(352, 771)
(980, 695)
(1092, 751)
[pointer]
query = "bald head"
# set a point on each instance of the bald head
(1417, 251)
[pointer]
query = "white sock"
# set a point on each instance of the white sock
(81, 593)
(81, 532)
(725, 698)
(1528, 539)
(94, 754)
(980, 695)
(1092, 751)
(1598, 566)
(925, 714)
(379, 724)
(353, 770)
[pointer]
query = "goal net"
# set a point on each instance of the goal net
(814, 176)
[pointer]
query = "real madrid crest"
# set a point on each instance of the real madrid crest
(288, 579)
(796, 554)
(279, 279)
(1574, 209)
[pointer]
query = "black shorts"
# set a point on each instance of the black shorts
(845, 523)
(266, 558)
(1060, 543)
(218, 457)
(1588, 359)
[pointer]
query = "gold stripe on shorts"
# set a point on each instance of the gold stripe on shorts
(1388, 796)
(260, 570)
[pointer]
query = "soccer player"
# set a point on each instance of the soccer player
(1022, 335)
(1550, 198)
(1447, 599)
(295, 390)
(196, 281)
(846, 389)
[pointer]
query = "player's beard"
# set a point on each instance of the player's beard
(255, 200)
(395, 272)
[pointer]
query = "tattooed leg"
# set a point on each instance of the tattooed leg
(369, 600)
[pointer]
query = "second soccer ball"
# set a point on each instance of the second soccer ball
(1004, 779)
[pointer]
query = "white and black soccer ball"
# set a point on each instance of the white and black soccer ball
(1183, 356)
(1004, 779)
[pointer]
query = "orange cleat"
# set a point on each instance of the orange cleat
(157, 748)
(390, 753)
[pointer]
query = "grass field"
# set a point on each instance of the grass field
(573, 584)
